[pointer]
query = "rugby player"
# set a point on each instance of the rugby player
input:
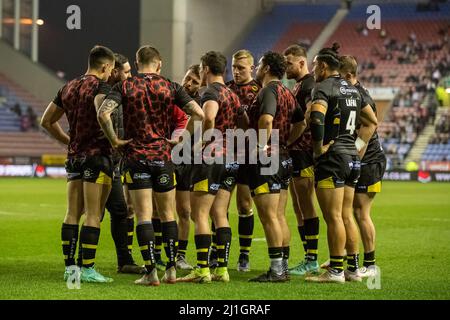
(275, 108)
(148, 100)
(122, 217)
(246, 89)
(213, 180)
(373, 165)
(89, 164)
(336, 112)
(301, 152)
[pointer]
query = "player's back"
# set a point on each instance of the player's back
(148, 102)
(77, 100)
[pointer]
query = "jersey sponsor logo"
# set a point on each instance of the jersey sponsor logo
(255, 88)
(347, 91)
(141, 176)
(344, 83)
(163, 179)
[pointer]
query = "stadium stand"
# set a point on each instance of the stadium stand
(19, 116)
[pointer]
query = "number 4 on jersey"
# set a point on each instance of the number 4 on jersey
(351, 122)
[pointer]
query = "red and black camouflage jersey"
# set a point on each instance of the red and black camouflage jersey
(148, 102)
(278, 101)
(246, 92)
(226, 116)
(77, 99)
(302, 92)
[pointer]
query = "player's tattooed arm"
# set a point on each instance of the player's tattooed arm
(104, 119)
(196, 114)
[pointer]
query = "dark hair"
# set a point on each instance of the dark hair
(120, 60)
(148, 54)
(276, 63)
(100, 55)
(296, 50)
(348, 64)
(195, 68)
(330, 56)
(216, 62)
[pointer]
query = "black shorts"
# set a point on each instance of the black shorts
(212, 177)
(260, 183)
(243, 174)
(145, 174)
(95, 169)
(183, 176)
(334, 170)
(371, 176)
(116, 203)
(302, 163)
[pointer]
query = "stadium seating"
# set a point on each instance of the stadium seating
(287, 24)
(399, 21)
(13, 141)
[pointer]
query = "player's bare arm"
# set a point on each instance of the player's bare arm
(196, 114)
(49, 122)
(297, 130)
(369, 124)
(104, 119)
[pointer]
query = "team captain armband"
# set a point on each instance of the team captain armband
(317, 125)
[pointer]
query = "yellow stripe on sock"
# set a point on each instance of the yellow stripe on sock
(203, 250)
(314, 237)
(130, 247)
(312, 251)
(88, 246)
(64, 243)
(66, 257)
(147, 262)
(245, 248)
(158, 247)
(146, 247)
(304, 242)
(202, 262)
(88, 261)
(337, 260)
(130, 233)
(246, 236)
(369, 260)
(158, 234)
(220, 260)
(221, 247)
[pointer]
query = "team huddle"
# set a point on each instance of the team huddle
(317, 141)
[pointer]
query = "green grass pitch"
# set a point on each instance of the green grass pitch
(413, 251)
